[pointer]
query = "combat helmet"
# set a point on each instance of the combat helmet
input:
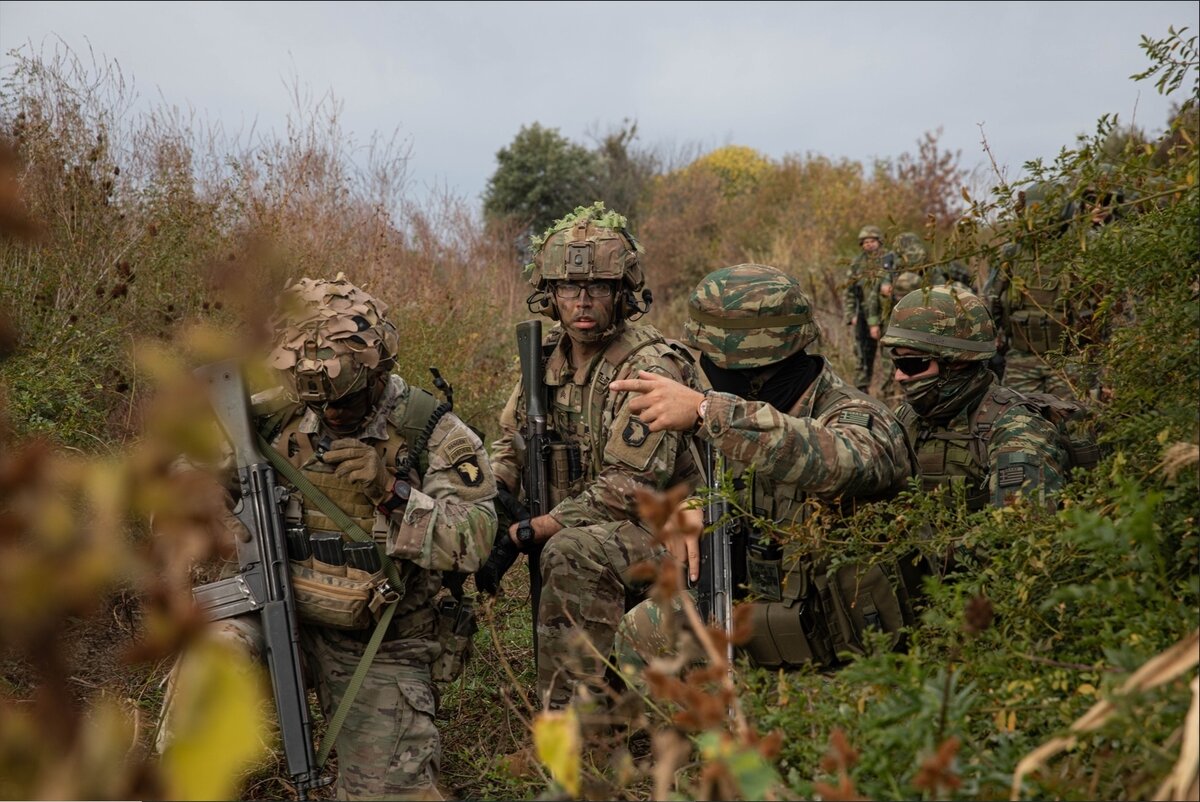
(331, 339)
(869, 232)
(911, 249)
(589, 244)
(946, 322)
(905, 283)
(749, 315)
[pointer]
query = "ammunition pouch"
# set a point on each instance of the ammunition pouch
(1037, 328)
(824, 614)
(565, 471)
(456, 627)
(339, 596)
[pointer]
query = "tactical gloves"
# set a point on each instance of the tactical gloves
(360, 463)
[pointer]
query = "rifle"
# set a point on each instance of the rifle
(263, 582)
(535, 482)
(715, 586)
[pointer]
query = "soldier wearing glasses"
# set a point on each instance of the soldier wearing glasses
(587, 276)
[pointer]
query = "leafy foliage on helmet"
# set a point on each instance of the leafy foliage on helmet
(331, 338)
(946, 321)
(749, 315)
(589, 244)
(868, 232)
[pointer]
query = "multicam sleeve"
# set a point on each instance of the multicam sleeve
(853, 450)
(449, 522)
(633, 457)
(1026, 456)
(505, 464)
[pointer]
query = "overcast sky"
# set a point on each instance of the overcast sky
(458, 80)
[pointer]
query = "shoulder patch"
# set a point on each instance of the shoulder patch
(469, 471)
(855, 418)
(458, 449)
(635, 433)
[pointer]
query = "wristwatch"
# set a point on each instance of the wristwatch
(401, 490)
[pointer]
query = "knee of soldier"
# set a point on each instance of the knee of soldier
(569, 548)
(642, 635)
(243, 633)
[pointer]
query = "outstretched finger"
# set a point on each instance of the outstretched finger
(630, 386)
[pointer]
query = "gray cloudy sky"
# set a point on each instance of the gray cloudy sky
(459, 79)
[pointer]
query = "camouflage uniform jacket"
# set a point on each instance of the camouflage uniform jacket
(835, 443)
(992, 458)
(862, 279)
(617, 451)
(449, 521)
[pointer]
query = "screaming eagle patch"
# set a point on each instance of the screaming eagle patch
(469, 471)
(635, 433)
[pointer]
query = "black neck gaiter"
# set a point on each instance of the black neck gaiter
(779, 384)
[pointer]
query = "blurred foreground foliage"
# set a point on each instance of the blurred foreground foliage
(139, 245)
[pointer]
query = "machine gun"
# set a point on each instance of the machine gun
(263, 582)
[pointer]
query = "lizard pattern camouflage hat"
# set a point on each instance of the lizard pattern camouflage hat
(590, 244)
(331, 338)
(947, 322)
(749, 315)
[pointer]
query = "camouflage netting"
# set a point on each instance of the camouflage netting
(749, 315)
(947, 322)
(331, 338)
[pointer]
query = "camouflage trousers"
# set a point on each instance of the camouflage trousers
(865, 349)
(588, 582)
(1030, 373)
(388, 747)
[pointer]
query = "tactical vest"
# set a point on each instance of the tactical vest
(1037, 317)
(811, 613)
(947, 457)
(576, 412)
(414, 616)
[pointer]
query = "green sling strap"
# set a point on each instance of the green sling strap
(335, 513)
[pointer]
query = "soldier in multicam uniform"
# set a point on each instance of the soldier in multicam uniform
(861, 282)
(587, 275)
(808, 436)
(348, 424)
(966, 428)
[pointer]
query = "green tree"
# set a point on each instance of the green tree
(539, 177)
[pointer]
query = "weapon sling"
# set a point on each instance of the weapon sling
(355, 532)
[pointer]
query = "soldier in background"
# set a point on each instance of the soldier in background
(861, 281)
(967, 430)
(587, 275)
(809, 437)
(350, 426)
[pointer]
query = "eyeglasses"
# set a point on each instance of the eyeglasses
(912, 365)
(569, 289)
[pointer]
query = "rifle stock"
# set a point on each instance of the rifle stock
(263, 582)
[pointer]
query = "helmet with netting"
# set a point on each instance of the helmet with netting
(748, 316)
(590, 244)
(331, 338)
(946, 322)
(870, 232)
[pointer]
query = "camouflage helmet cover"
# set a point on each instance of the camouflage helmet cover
(905, 283)
(590, 244)
(748, 316)
(945, 321)
(870, 232)
(912, 249)
(331, 338)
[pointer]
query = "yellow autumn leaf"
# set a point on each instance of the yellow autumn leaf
(1086, 689)
(217, 727)
(557, 742)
